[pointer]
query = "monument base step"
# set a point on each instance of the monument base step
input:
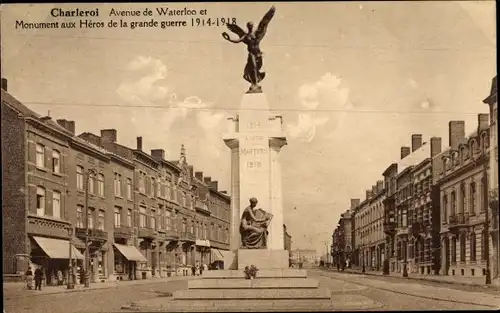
(340, 302)
(259, 283)
(247, 294)
(264, 273)
(263, 258)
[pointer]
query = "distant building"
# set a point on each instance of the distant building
(304, 255)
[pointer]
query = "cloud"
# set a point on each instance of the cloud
(325, 94)
(147, 86)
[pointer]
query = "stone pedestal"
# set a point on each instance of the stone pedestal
(263, 258)
(255, 137)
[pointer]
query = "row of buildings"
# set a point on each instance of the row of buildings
(428, 214)
(147, 216)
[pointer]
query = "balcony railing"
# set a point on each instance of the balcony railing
(171, 234)
(389, 227)
(147, 233)
(459, 219)
(94, 234)
(124, 232)
(187, 236)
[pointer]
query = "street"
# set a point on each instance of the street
(99, 300)
(370, 292)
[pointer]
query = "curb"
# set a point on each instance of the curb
(426, 279)
(158, 281)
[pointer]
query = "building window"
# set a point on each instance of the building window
(445, 208)
(129, 188)
(453, 203)
(100, 185)
(79, 177)
(152, 187)
(79, 216)
(129, 218)
(159, 189)
(90, 218)
(184, 225)
(191, 227)
(454, 249)
(168, 220)
(484, 196)
(462, 198)
(118, 185)
(142, 183)
(56, 162)
(183, 199)
(100, 220)
(143, 218)
(472, 200)
(40, 155)
(40, 201)
(462, 248)
(168, 191)
(473, 246)
(91, 182)
(56, 204)
(118, 215)
(153, 219)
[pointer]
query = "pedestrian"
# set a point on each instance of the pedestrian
(202, 267)
(60, 277)
(74, 273)
(38, 279)
(29, 279)
(193, 270)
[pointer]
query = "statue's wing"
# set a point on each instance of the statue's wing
(236, 29)
(261, 29)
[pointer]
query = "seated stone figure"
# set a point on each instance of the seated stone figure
(253, 226)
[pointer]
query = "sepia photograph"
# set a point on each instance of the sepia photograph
(308, 156)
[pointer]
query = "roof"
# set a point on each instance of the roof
(415, 158)
(26, 112)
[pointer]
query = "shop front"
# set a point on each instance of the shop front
(128, 260)
(203, 251)
(52, 255)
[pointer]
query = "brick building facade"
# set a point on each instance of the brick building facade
(144, 212)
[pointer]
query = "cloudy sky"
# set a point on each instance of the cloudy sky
(353, 81)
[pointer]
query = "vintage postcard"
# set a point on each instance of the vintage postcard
(253, 156)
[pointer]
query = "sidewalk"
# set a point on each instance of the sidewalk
(18, 290)
(456, 280)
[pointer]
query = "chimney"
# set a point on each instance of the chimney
(191, 170)
(416, 141)
(374, 190)
(108, 135)
(483, 121)
(139, 143)
(404, 152)
(435, 146)
(368, 194)
(224, 192)
(4, 84)
(158, 154)
(456, 132)
(214, 185)
(380, 186)
(355, 203)
(199, 175)
(45, 118)
(207, 180)
(68, 125)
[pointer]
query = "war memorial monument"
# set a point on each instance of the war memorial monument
(255, 137)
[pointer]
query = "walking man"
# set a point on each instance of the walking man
(38, 279)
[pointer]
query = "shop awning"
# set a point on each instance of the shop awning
(202, 243)
(131, 253)
(216, 254)
(58, 249)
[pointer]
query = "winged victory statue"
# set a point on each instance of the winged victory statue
(251, 38)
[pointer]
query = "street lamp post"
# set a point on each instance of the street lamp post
(71, 283)
(91, 172)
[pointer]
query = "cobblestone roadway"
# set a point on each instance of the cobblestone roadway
(411, 295)
(105, 300)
